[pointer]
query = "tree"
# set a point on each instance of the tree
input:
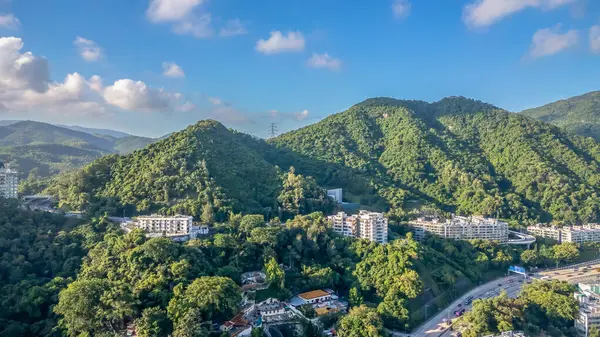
(566, 252)
(361, 322)
(594, 332)
(250, 222)
(355, 298)
(89, 306)
(208, 215)
(257, 332)
(153, 323)
(191, 325)
(275, 274)
(214, 297)
(302, 195)
(530, 257)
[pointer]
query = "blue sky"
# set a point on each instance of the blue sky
(150, 67)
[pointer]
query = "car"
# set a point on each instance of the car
(556, 273)
(459, 305)
(499, 284)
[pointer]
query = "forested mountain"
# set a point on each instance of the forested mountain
(456, 155)
(205, 170)
(50, 149)
(580, 114)
(460, 155)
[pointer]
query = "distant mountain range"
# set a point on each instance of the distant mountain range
(456, 155)
(53, 149)
(580, 114)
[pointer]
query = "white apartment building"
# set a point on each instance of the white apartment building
(574, 234)
(588, 296)
(462, 228)
(178, 228)
(373, 226)
(344, 224)
(365, 225)
(9, 182)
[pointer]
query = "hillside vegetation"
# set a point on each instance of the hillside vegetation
(456, 155)
(459, 155)
(580, 115)
(49, 149)
(205, 170)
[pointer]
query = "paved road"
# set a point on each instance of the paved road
(512, 285)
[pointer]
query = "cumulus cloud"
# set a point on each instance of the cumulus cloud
(232, 28)
(483, 13)
(550, 41)
(133, 95)
(401, 8)
(279, 43)
(88, 49)
(9, 21)
(171, 10)
(25, 85)
(325, 61)
(21, 70)
(595, 39)
(188, 18)
(172, 70)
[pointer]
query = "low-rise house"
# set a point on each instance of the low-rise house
(273, 310)
(315, 296)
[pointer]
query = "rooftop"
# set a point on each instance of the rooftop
(313, 294)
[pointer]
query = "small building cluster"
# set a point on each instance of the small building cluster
(461, 228)
(588, 296)
(364, 225)
(574, 234)
(177, 228)
(9, 182)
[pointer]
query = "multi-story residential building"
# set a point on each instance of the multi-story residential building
(588, 296)
(344, 224)
(365, 225)
(574, 234)
(9, 182)
(373, 226)
(179, 227)
(179, 224)
(462, 228)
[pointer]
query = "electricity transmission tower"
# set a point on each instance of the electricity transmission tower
(273, 130)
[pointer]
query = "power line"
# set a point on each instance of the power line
(273, 130)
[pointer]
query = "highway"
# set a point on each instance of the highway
(436, 326)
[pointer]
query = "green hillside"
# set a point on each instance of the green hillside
(205, 170)
(456, 155)
(459, 155)
(52, 149)
(580, 115)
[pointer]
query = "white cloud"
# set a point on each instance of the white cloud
(25, 86)
(232, 28)
(325, 61)
(88, 49)
(550, 41)
(595, 39)
(133, 95)
(21, 71)
(186, 107)
(171, 10)
(302, 115)
(401, 8)
(198, 26)
(483, 13)
(215, 101)
(9, 21)
(279, 43)
(172, 70)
